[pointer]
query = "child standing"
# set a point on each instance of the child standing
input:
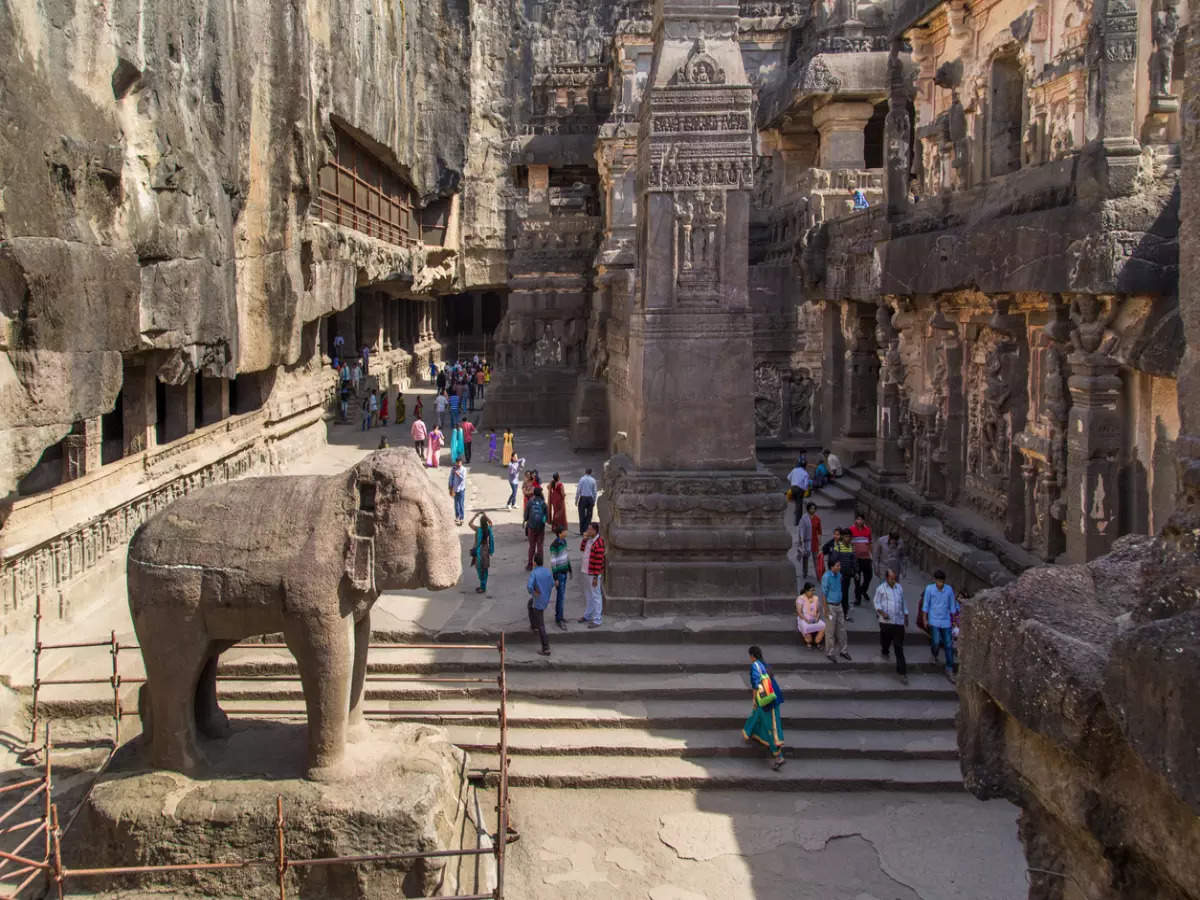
(493, 456)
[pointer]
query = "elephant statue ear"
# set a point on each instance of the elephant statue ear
(360, 544)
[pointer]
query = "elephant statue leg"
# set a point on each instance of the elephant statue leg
(321, 645)
(172, 675)
(357, 728)
(210, 718)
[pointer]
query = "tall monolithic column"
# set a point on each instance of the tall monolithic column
(692, 523)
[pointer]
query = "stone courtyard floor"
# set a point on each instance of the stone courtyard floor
(883, 819)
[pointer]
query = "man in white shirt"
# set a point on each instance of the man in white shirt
(834, 465)
(799, 480)
(440, 405)
(893, 618)
(585, 499)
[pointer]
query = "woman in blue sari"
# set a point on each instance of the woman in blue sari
(456, 443)
(764, 724)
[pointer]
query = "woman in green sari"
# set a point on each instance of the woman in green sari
(765, 724)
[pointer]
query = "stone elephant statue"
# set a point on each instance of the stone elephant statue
(303, 555)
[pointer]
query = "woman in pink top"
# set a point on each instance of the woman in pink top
(809, 616)
(432, 448)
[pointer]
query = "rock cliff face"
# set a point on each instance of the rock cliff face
(158, 162)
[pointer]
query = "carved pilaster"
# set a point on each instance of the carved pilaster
(898, 131)
(889, 453)
(1112, 58)
(1093, 431)
(946, 471)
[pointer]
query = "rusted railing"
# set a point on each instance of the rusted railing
(50, 865)
(17, 871)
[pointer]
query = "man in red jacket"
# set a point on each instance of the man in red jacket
(593, 551)
(860, 540)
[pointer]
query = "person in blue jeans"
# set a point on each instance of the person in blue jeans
(458, 488)
(540, 584)
(940, 607)
(560, 568)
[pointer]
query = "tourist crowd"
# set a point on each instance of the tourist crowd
(460, 389)
(844, 568)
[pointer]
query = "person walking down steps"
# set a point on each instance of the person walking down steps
(764, 723)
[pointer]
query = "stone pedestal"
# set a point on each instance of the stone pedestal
(1093, 454)
(691, 522)
(403, 791)
(700, 541)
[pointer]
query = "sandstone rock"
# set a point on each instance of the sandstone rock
(1077, 704)
(403, 793)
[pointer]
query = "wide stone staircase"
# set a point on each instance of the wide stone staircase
(655, 704)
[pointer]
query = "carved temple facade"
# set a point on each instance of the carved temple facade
(992, 342)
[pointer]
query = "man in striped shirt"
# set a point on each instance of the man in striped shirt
(893, 618)
(593, 575)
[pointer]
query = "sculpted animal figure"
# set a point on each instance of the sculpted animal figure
(303, 555)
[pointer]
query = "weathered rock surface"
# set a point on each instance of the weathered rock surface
(159, 162)
(403, 793)
(1078, 704)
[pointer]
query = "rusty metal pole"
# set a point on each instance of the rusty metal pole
(281, 863)
(116, 686)
(37, 653)
(502, 819)
(57, 861)
(48, 808)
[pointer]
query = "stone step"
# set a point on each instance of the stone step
(843, 713)
(607, 686)
(685, 744)
(628, 659)
(732, 774)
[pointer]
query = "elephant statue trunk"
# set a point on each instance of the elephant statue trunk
(303, 555)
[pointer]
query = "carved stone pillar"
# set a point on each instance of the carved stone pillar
(889, 453)
(840, 124)
(898, 134)
(139, 408)
(1093, 452)
(181, 410)
(833, 381)
(861, 376)
(215, 393)
(694, 525)
(1112, 57)
(950, 415)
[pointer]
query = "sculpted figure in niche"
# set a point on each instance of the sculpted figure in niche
(1091, 333)
(995, 401)
(803, 390)
(303, 555)
(1164, 29)
(548, 351)
(768, 400)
